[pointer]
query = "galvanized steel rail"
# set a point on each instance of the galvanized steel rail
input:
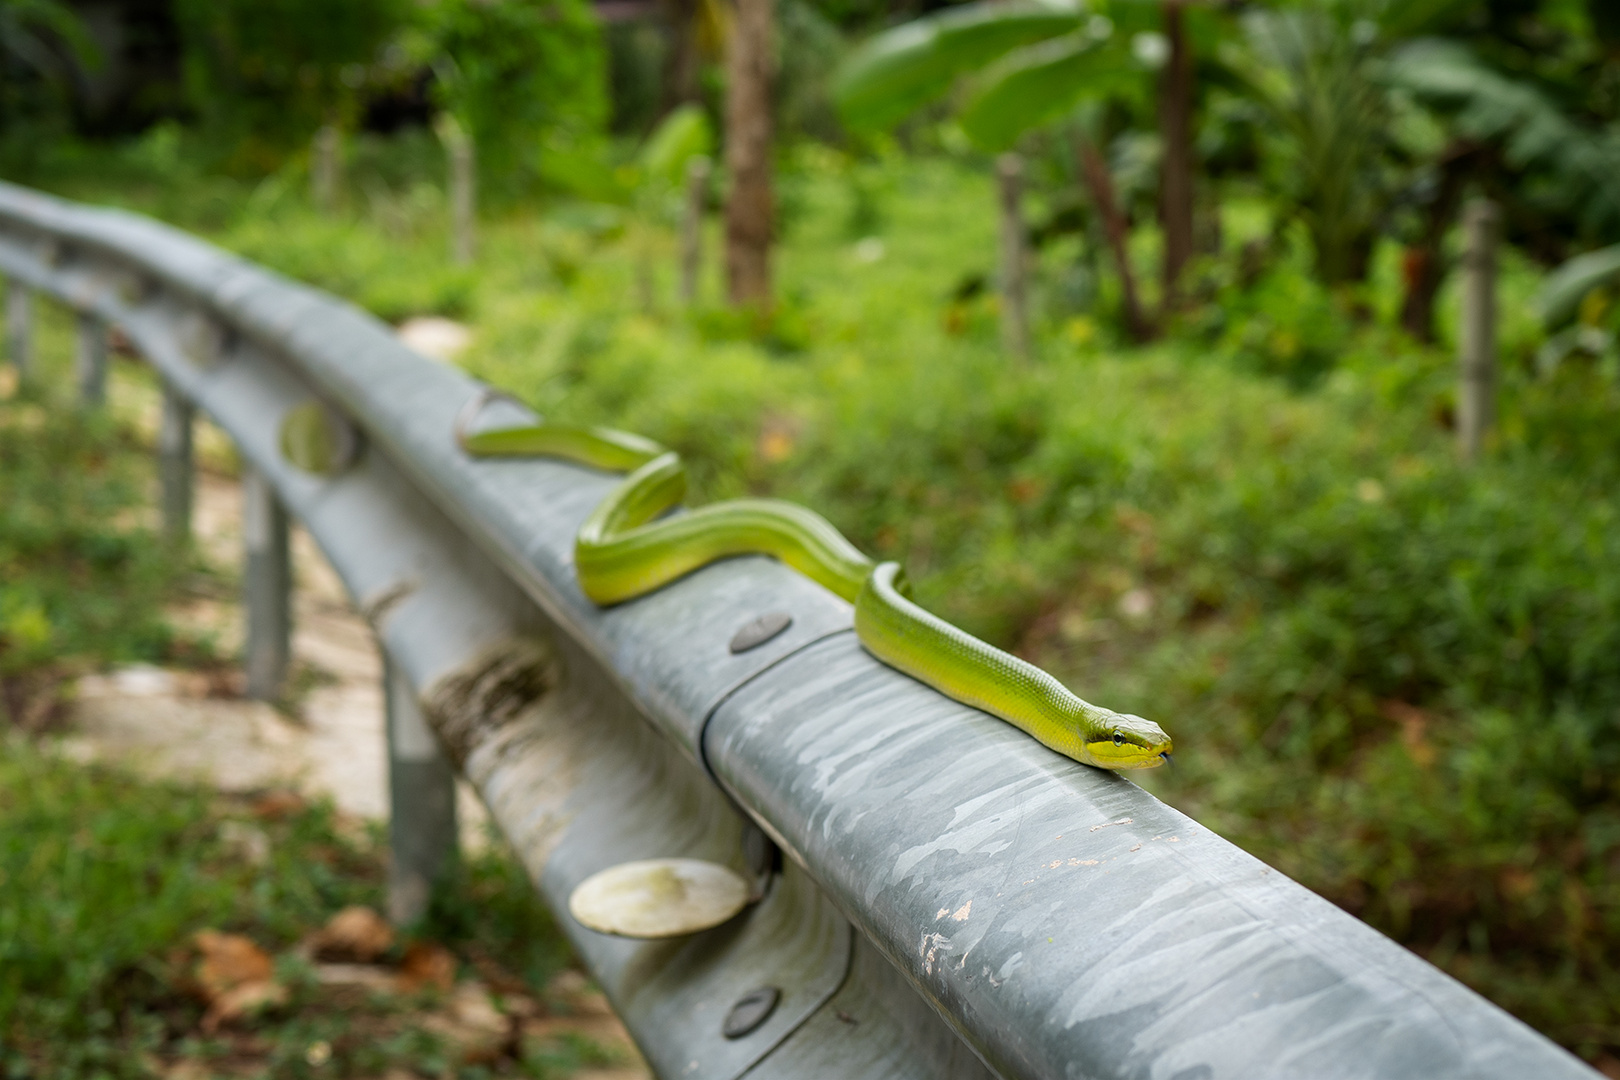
(956, 901)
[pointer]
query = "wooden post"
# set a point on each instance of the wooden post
(422, 804)
(1014, 256)
(697, 194)
(91, 361)
(323, 168)
(268, 587)
(1176, 167)
(748, 154)
(463, 191)
(1476, 388)
(175, 465)
(20, 328)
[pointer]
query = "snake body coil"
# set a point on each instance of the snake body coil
(627, 548)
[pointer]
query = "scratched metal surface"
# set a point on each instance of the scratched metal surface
(1067, 922)
(1062, 920)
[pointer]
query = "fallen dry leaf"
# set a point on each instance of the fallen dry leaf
(355, 933)
(243, 1000)
(275, 805)
(476, 1031)
(228, 961)
(426, 964)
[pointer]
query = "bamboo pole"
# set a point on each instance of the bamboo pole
(1014, 256)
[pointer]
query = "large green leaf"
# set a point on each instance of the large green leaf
(1561, 294)
(1575, 163)
(684, 134)
(899, 70)
(1040, 82)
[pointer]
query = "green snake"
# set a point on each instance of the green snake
(628, 548)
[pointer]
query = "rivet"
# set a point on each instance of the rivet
(760, 630)
(750, 1011)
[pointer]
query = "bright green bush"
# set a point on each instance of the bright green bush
(516, 73)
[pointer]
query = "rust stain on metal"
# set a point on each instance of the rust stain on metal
(489, 692)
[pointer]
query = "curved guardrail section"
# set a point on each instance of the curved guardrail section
(956, 901)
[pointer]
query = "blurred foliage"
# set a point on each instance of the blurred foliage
(264, 74)
(100, 906)
(80, 577)
(1393, 677)
(514, 73)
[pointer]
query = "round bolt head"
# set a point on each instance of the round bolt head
(318, 440)
(750, 1011)
(760, 631)
(658, 898)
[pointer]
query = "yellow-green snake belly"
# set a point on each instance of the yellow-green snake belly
(626, 548)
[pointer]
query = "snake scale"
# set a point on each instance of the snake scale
(630, 545)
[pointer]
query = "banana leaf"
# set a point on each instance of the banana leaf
(900, 70)
(1041, 82)
(1561, 294)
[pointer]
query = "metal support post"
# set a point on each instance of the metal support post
(175, 465)
(91, 364)
(698, 170)
(1014, 256)
(268, 587)
(1476, 389)
(422, 804)
(20, 328)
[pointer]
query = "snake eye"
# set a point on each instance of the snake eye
(1119, 738)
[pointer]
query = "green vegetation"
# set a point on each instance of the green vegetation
(81, 579)
(106, 880)
(1389, 675)
(101, 906)
(1227, 498)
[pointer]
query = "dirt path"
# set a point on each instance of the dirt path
(185, 724)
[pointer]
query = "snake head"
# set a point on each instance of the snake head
(1129, 742)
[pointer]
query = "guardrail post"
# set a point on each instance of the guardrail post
(175, 465)
(422, 804)
(20, 328)
(268, 587)
(697, 194)
(1014, 256)
(1476, 390)
(91, 364)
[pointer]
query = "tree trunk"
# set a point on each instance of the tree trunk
(1176, 172)
(748, 154)
(1095, 170)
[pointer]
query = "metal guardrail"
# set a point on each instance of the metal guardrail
(956, 901)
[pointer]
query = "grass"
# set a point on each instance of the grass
(1386, 673)
(106, 879)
